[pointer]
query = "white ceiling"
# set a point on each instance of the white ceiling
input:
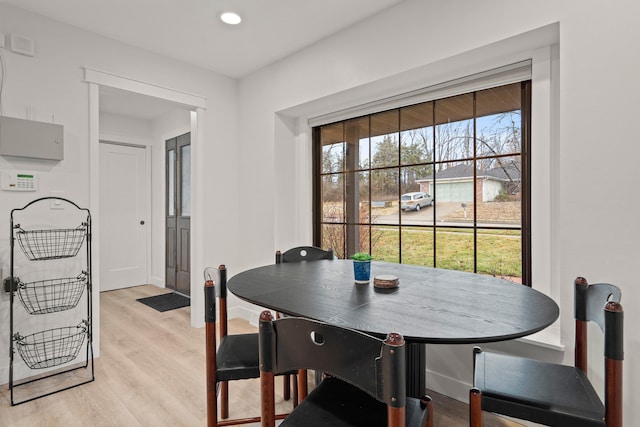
(190, 31)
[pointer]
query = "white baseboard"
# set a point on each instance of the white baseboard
(157, 281)
(4, 375)
(448, 386)
(245, 313)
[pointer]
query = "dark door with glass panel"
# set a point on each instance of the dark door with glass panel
(178, 213)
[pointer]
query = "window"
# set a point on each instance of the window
(465, 161)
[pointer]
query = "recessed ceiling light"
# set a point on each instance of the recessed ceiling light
(230, 18)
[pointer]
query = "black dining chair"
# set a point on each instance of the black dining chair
(365, 377)
(553, 394)
(236, 357)
(299, 254)
(303, 253)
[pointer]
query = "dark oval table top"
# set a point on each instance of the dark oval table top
(430, 305)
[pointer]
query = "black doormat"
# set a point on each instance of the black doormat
(166, 302)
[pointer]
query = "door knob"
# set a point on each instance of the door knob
(142, 222)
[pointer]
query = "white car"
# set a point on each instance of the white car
(415, 201)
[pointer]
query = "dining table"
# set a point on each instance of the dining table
(428, 305)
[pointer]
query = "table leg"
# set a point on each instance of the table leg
(416, 370)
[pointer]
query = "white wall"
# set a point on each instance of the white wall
(125, 129)
(51, 84)
(591, 127)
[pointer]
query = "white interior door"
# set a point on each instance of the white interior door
(123, 216)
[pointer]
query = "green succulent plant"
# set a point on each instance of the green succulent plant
(361, 256)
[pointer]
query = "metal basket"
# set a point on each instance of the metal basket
(51, 244)
(51, 348)
(50, 296)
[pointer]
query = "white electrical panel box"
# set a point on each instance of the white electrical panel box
(19, 181)
(28, 138)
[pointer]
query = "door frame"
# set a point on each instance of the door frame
(146, 145)
(197, 104)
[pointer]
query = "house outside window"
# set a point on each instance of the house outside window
(468, 154)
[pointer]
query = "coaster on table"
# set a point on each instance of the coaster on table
(385, 281)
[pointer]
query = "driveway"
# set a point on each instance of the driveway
(422, 217)
(503, 214)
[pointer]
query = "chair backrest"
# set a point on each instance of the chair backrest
(589, 306)
(210, 345)
(376, 366)
(210, 273)
(600, 303)
(303, 253)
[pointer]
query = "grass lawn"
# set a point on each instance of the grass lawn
(499, 251)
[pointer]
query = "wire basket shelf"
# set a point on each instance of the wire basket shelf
(51, 348)
(51, 296)
(40, 245)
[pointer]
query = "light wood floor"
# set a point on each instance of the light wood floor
(151, 373)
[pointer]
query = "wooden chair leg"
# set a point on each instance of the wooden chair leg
(286, 392)
(425, 402)
(294, 384)
(268, 415)
(396, 416)
(613, 392)
(302, 384)
(224, 399)
(475, 408)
